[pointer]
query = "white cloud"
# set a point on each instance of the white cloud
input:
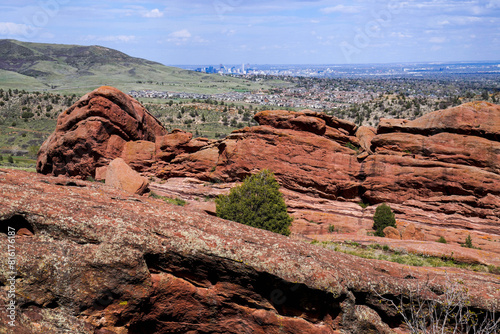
(181, 34)
(12, 29)
(153, 13)
(341, 9)
(464, 20)
(400, 35)
(228, 32)
(437, 40)
(493, 4)
(459, 20)
(118, 38)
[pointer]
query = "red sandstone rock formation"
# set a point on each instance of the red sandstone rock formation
(94, 131)
(481, 119)
(100, 260)
(446, 162)
(438, 172)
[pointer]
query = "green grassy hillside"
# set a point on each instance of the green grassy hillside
(9, 79)
(80, 69)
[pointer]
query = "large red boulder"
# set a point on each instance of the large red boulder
(94, 131)
(447, 161)
(178, 142)
(121, 176)
(430, 167)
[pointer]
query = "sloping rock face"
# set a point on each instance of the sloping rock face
(94, 131)
(99, 260)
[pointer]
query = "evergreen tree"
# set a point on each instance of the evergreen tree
(468, 242)
(485, 95)
(258, 203)
(382, 218)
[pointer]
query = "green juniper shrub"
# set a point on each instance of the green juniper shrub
(442, 240)
(258, 203)
(382, 218)
(27, 114)
(363, 205)
(468, 242)
(331, 228)
(10, 159)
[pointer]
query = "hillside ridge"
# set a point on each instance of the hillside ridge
(20, 57)
(79, 69)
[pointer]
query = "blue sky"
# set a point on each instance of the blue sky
(265, 32)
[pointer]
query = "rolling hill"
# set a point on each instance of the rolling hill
(79, 69)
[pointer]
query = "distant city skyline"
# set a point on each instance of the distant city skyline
(265, 32)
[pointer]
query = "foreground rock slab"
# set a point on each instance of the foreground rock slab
(100, 260)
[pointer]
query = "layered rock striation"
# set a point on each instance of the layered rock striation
(93, 259)
(446, 162)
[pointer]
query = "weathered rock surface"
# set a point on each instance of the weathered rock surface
(314, 217)
(122, 176)
(445, 147)
(481, 119)
(139, 154)
(392, 233)
(365, 134)
(99, 260)
(94, 131)
(444, 162)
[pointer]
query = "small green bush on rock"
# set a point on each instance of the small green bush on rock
(382, 218)
(258, 203)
